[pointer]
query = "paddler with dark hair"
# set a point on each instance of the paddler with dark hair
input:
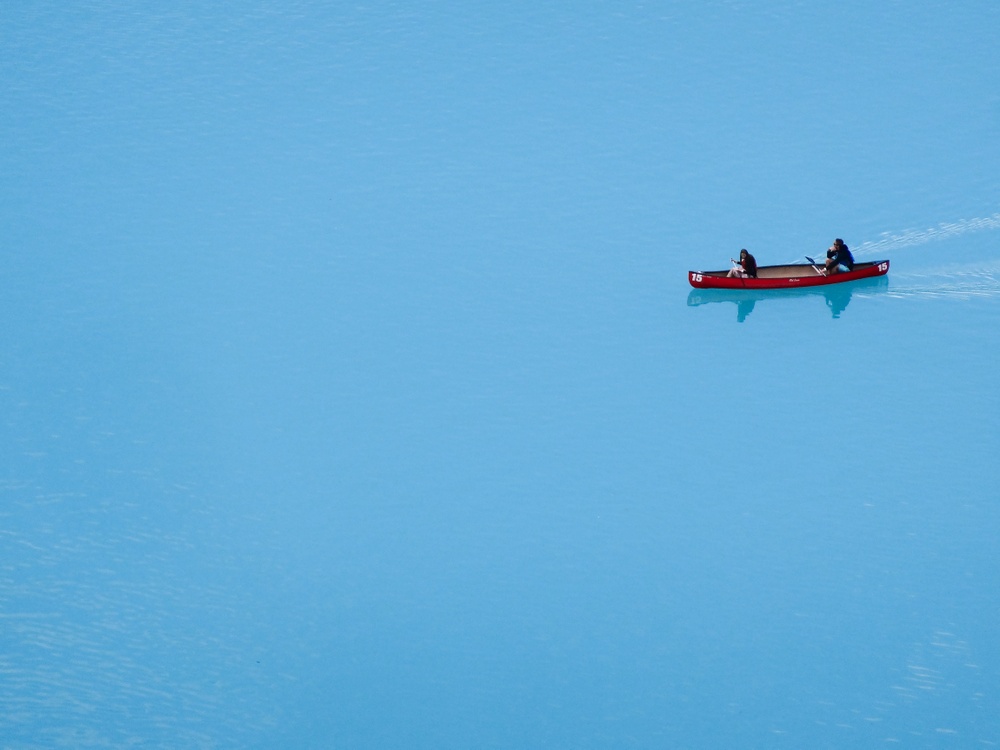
(745, 267)
(838, 257)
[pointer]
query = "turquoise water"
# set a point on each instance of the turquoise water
(354, 394)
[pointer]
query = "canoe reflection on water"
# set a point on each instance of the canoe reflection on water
(837, 296)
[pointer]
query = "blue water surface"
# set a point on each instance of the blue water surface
(353, 393)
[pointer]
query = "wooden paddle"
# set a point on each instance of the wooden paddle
(815, 267)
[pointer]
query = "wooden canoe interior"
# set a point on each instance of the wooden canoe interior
(792, 270)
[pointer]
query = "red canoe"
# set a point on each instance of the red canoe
(791, 276)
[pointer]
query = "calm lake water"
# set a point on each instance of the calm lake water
(354, 395)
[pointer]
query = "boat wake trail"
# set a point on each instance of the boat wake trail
(894, 240)
(973, 281)
(966, 282)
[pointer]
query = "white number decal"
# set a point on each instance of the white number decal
(883, 267)
(696, 276)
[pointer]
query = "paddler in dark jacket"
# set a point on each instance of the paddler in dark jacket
(747, 267)
(839, 257)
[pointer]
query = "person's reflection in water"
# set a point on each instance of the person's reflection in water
(837, 298)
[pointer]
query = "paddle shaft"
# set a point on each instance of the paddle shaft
(815, 267)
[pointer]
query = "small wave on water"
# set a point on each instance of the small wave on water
(967, 281)
(907, 238)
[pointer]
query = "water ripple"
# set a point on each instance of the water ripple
(969, 281)
(895, 240)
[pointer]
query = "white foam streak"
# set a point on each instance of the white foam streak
(955, 282)
(895, 240)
